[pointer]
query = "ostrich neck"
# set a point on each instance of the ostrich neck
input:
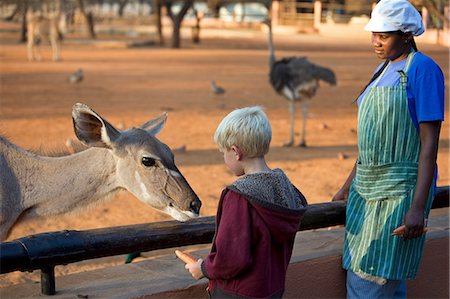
(271, 48)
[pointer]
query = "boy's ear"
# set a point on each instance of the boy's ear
(237, 151)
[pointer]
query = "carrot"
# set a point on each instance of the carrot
(401, 229)
(185, 257)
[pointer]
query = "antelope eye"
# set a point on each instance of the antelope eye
(148, 162)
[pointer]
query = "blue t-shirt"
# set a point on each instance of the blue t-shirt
(425, 87)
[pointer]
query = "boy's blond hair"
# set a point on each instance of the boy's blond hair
(247, 128)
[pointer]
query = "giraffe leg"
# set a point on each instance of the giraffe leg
(304, 104)
(292, 118)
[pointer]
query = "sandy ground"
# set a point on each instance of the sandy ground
(129, 86)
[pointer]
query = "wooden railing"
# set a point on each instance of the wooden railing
(47, 250)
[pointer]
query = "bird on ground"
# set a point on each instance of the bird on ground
(216, 89)
(76, 77)
(297, 79)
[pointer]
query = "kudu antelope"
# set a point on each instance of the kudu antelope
(32, 185)
(43, 27)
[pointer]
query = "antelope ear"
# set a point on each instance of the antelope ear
(91, 129)
(155, 125)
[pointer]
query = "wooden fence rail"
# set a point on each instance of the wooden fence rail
(47, 250)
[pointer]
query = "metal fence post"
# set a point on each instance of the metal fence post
(48, 280)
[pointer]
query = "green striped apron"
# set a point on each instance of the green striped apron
(382, 190)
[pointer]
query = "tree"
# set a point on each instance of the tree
(196, 28)
(23, 27)
(15, 12)
(177, 19)
(122, 4)
(436, 9)
(157, 6)
(89, 18)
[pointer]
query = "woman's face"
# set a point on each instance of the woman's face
(390, 45)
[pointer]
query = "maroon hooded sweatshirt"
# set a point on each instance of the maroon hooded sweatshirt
(257, 219)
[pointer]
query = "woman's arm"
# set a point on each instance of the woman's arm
(415, 218)
(342, 194)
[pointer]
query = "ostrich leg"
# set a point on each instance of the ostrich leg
(304, 104)
(292, 119)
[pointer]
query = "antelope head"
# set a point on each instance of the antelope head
(144, 165)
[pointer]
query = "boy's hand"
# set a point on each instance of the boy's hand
(195, 268)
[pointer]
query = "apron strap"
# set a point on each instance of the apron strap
(408, 62)
(381, 75)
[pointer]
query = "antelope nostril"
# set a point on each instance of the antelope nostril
(195, 206)
(170, 204)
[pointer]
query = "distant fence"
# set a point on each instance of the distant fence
(293, 12)
(47, 250)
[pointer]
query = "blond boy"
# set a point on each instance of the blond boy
(257, 217)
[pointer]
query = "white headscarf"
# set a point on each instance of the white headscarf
(394, 15)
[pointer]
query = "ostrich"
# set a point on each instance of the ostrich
(297, 79)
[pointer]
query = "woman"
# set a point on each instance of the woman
(393, 180)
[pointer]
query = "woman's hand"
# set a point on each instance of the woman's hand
(342, 194)
(414, 223)
(415, 218)
(195, 268)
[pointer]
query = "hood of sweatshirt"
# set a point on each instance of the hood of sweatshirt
(275, 198)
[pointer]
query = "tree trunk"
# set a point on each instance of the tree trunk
(89, 19)
(157, 6)
(196, 27)
(177, 20)
(13, 14)
(214, 6)
(176, 43)
(23, 27)
(122, 5)
(435, 10)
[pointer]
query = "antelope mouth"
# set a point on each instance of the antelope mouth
(178, 214)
